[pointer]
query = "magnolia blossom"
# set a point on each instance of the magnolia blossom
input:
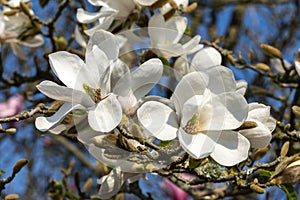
(207, 111)
(97, 87)
(11, 27)
(165, 36)
(87, 84)
(259, 136)
(112, 183)
(12, 106)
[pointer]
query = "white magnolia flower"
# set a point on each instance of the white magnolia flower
(112, 183)
(207, 110)
(87, 84)
(165, 37)
(277, 65)
(11, 27)
(260, 136)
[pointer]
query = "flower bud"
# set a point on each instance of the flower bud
(272, 51)
(11, 197)
(19, 165)
(262, 66)
(296, 110)
(285, 149)
(257, 189)
(87, 185)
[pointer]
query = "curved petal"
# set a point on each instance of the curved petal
(156, 29)
(103, 24)
(198, 145)
(46, 123)
(145, 77)
(167, 51)
(146, 2)
(105, 41)
(221, 79)
(241, 87)
(111, 183)
(271, 124)
(230, 149)
(297, 66)
(191, 84)
(175, 28)
(259, 136)
(88, 17)
(84, 136)
(106, 115)
(193, 45)
(66, 67)
(206, 58)
(66, 94)
(181, 66)
(94, 69)
(159, 119)
(258, 112)
(35, 41)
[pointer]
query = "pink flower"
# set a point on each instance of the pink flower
(173, 191)
(12, 106)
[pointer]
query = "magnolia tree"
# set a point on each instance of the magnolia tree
(132, 92)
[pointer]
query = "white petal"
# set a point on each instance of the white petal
(191, 84)
(156, 29)
(85, 135)
(94, 69)
(79, 38)
(168, 51)
(259, 112)
(193, 45)
(105, 41)
(66, 67)
(145, 77)
(159, 119)
(104, 24)
(199, 145)
(87, 17)
(181, 66)
(297, 66)
(175, 28)
(46, 123)
(271, 124)
(206, 58)
(259, 136)
(241, 87)
(231, 148)
(221, 79)
(106, 115)
(35, 41)
(111, 184)
(146, 2)
(66, 94)
(276, 63)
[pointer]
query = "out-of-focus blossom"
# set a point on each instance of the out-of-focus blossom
(12, 106)
(16, 29)
(173, 191)
(297, 62)
(207, 110)
(165, 37)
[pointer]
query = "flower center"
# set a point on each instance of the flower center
(194, 125)
(95, 94)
